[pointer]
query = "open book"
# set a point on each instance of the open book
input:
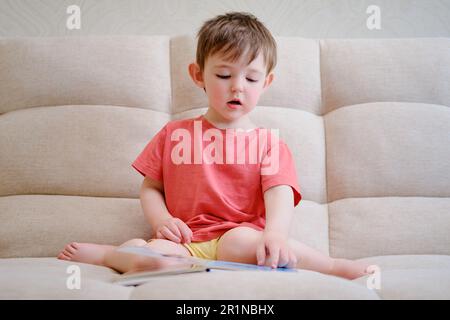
(182, 264)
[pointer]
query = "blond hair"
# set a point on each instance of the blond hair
(234, 34)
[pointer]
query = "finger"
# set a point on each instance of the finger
(261, 254)
(160, 233)
(186, 232)
(173, 227)
(274, 252)
(292, 260)
(284, 258)
(169, 235)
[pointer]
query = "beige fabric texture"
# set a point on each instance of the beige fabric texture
(367, 121)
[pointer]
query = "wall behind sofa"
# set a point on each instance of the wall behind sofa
(304, 18)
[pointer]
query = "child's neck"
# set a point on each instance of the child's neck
(241, 123)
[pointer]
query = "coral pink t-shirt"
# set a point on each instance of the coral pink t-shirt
(205, 184)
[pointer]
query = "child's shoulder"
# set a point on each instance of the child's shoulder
(181, 123)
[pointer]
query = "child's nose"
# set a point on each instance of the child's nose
(237, 85)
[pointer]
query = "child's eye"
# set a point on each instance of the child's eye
(227, 77)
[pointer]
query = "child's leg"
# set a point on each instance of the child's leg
(105, 255)
(239, 245)
(315, 260)
(116, 259)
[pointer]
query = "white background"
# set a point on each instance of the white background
(304, 18)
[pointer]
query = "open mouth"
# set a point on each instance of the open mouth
(235, 102)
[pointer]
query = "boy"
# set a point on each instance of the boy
(215, 208)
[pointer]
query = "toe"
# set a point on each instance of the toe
(70, 249)
(75, 245)
(371, 269)
(62, 256)
(67, 253)
(67, 256)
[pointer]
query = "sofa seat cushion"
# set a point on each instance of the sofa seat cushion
(412, 276)
(402, 277)
(46, 278)
(251, 285)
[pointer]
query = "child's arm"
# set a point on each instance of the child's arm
(279, 204)
(156, 212)
(153, 203)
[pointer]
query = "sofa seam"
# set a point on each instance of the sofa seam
(323, 119)
(320, 76)
(326, 184)
(171, 78)
(325, 148)
(123, 197)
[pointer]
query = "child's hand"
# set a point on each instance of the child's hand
(274, 251)
(175, 230)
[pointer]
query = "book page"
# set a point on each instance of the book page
(211, 264)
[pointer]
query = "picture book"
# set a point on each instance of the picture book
(183, 264)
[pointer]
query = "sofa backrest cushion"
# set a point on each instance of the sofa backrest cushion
(367, 122)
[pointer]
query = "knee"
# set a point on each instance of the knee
(239, 245)
(134, 243)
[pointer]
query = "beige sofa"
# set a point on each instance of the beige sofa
(368, 122)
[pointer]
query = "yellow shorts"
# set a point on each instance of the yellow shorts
(204, 250)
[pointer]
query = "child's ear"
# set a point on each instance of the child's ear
(268, 81)
(196, 75)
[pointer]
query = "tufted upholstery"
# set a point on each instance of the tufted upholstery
(368, 122)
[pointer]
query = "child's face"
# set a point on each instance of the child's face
(226, 81)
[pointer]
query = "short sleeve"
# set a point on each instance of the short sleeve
(280, 171)
(149, 161)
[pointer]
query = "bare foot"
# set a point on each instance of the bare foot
(350, 269)
(85, 252)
